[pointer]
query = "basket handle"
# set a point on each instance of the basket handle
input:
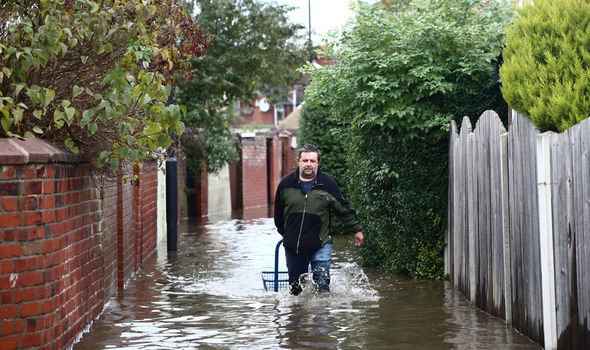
(276, 284)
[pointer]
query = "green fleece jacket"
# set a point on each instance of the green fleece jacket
(304, 220)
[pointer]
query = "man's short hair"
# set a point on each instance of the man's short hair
(308, 148)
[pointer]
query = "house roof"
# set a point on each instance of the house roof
(291, 122)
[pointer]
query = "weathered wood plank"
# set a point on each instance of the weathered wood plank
(464, 206)
(562, 204)
(524, 229)
(545, 215)
(449, 247)
(506, 229)
(581, 181)
(487, 157)
(472, 215)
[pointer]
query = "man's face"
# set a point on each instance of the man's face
(308, 165)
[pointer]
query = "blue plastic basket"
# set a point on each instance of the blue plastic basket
(276, 280)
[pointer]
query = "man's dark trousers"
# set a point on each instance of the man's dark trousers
(320, 267)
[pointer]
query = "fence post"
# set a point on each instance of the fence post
(171, 203)
(506, 228)
(472, 213)
(546, 239)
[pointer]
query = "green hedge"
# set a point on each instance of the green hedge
(400, 79)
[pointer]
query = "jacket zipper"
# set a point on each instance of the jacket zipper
(302, 219)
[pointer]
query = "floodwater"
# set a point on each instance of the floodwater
(209, 295)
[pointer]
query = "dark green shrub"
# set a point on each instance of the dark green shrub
(400, 79)
(317, 126)
(546, 63)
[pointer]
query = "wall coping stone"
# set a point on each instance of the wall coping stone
(17, 151)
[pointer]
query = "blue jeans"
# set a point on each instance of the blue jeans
(320, 267)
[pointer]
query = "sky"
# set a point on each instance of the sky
(325, 15)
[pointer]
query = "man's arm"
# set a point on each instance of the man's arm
(343, 210)
(279, 210)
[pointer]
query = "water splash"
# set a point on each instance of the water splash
(348, 284)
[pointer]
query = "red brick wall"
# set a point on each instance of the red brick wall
(254, 172)
(63, 250)
(275, 169)
(182, 197)
(202, 188)
(289, 156)
(147, 210)
(109, 238)
(261, 118)
(125, 230)
(257, 117)
(50, 278)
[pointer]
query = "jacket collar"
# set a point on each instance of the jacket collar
(318, 178)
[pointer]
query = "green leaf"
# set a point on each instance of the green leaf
(70, 111)
(69, 143)
(114, 164)
(104, 155)
(6, 123)
(49, 96)
(38, 130)
(94, 8)
(84, 59)
(64, 48)
(7, 71)
(17, 89)
(17, 113)
(133, 155)
(29, 135)
(147, 99)
(92, 127)
(77, 90)
(65, 103)
(38, 113)
(58, 116)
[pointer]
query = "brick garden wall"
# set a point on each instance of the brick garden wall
(65, 244)
(275, 167)
(248, 175)
(289, 156)
(146, 219)
(254, 172)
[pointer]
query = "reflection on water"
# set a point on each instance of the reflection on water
(209, 294)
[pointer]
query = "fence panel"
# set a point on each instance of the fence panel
(581, 233)
(490, 253)
(563, 220)
(527, 314)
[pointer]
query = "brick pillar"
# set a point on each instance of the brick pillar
(254, 172)
(289, 156)
(202, 189)
(276, 165)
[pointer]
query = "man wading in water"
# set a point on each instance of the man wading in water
(304, 202)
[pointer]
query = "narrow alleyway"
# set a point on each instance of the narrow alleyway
(209, 295)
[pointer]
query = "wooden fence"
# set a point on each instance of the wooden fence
(518, 242)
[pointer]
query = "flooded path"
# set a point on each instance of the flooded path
(209, 295)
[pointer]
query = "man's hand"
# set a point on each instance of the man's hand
(359, 239)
